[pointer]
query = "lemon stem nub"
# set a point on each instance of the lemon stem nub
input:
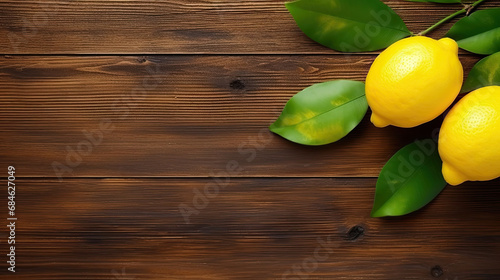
(452, 176)
(378, 121)
(449, 44)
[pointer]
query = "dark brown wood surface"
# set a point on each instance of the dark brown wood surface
(119, 114)
(253, 229)
(196, 114)
(173, 26)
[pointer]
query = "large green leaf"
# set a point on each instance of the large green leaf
(478, 33)
(409, 180)
(322, 113)
(349, 25)
(485, 73)
(438, 1)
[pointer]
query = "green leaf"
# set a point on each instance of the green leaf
(349, 25)
(322, 113)
(485, 73)
(478, 33)
(438, 1)
(409, 180)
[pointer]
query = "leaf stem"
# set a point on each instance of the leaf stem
(466, 10)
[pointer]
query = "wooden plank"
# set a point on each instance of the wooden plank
(178, 116)
(250, 229)
(174, 26)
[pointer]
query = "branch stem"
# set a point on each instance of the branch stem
(466, 10)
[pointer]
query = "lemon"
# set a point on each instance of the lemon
(469, 139)
(413, 81)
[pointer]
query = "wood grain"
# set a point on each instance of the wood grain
(174, 26)
(178, 116)
(145, 104)
(251, 229)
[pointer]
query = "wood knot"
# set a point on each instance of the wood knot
(141, 60)
(355, 233)
(436, 271)
(237, 84)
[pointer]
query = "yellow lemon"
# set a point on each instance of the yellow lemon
(413, 81)
(469, 139)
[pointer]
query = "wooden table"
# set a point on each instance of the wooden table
(138, 130)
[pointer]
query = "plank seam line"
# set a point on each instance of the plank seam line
(188, 177)
(7, 55)
(187, 54)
